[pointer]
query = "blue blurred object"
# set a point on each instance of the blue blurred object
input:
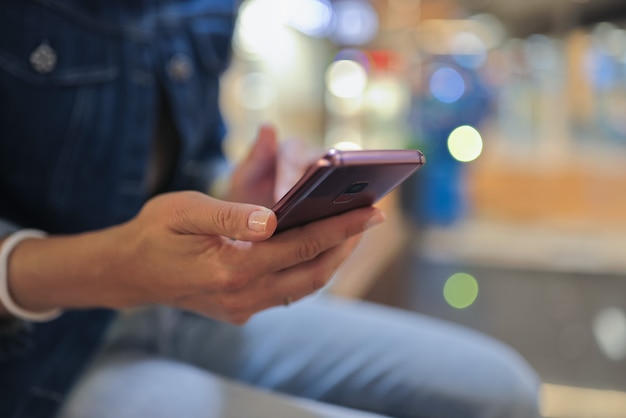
(438, 190)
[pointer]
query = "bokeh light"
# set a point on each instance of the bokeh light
(460, 290)
(311, 17)
(386, 97)
(346, 79)
(611, 38)
(609, 330)
(355, 23)
(468, 50)
(447, 85)
(261, 32)
(465, 143)
(347, 146)
(494, 32)
(356, 55)
(344, 135)
(600, 68)
(541, 52)
(343, 106)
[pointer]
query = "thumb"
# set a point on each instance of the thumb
(199, 214)
(266, 145)
(262, 156)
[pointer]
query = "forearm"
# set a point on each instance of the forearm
(62, 272)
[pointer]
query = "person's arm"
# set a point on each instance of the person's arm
(186, 250)
(60, 271)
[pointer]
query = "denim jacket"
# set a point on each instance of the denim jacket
(80, 83)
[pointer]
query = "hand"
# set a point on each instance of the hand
(190, 251)
(198, 253)
(294, 158)
(269, 169)
(254, 179)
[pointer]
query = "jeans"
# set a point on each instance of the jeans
(322, 357)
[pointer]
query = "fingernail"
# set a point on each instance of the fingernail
(377, 218)
(257, 221)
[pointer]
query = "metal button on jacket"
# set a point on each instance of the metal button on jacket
(180, 68)
(43, 59)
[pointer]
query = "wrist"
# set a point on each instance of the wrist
(62, 272)
(7, 291)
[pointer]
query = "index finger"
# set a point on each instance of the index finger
(304, 243)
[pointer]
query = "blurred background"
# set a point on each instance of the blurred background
(516, 226)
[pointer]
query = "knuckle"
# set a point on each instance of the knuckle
(308, 249)
(177, 212)
(223, 217)
(236, 281)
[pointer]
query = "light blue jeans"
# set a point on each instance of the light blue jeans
(322, 357)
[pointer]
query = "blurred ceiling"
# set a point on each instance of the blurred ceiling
(525, 17)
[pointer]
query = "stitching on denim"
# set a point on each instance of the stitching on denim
(78, 76)
(93, 24)
(130, 32)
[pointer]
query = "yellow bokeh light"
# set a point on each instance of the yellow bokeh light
(465, 143)
(386, 97)
(346, 79)
(340, 136)
(347, 146)
(343, 106)
(460, 290)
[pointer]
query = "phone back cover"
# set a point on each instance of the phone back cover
(324, 195)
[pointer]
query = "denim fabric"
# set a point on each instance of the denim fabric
(75, 138)
(326, 350)
(79, 87)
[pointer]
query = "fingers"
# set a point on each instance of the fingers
(232, 279)
(254, 178)
(262, 157)
(306, 278)
(295, 157)
(198, 214)
(267, 141)
(304, 243)
(295, 283)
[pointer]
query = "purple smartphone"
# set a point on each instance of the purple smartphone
(341, 181)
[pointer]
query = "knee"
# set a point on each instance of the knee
(486, 380)
(503, 385)
(513, 389)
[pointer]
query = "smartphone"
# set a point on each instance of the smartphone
(340, 181)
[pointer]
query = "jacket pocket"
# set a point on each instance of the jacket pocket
(55, 78)
(44, 48)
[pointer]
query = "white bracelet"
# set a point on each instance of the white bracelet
(5, 296)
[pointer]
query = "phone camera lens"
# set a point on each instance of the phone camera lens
(356, 188)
